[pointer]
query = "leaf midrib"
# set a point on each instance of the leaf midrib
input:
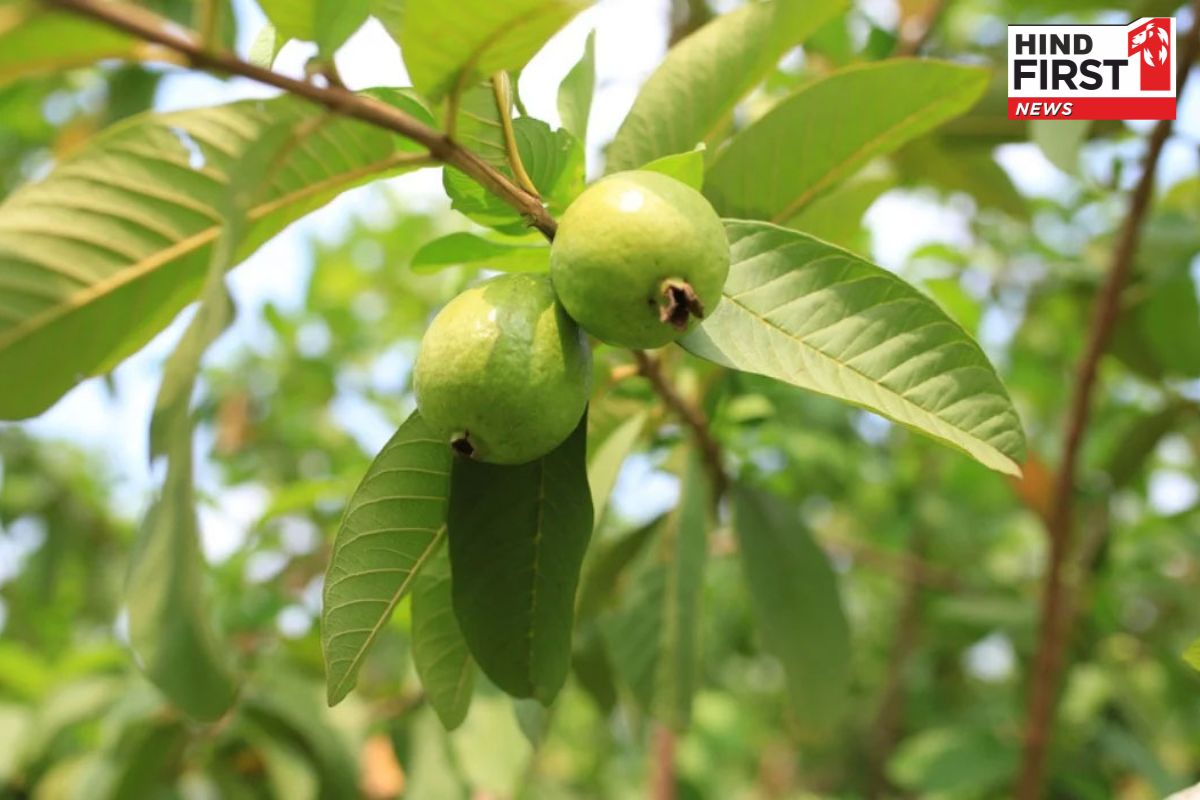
(843, 365)
(159, 259)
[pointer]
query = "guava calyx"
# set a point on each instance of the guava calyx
(681, 304)
(461, 444)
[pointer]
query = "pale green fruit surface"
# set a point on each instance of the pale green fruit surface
(503, 373)
(639, 258)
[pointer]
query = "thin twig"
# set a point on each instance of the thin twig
(502, 90)
(152, 28)
(692, 417)
(1056, 602)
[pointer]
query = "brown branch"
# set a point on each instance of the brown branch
(662, 764)
(692, 417)
(1056, 599)
(152, 28)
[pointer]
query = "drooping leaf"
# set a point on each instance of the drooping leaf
(35, 40)
(605, 463)
(1137, 442)
(488, 37)
(702, 78)
(440, 654)
(653, 636)
(169, 624)
(1060, 141)
(101, 255)
(576, 90)
(328, 23)
(517, 539)
(794, 595)
(895, 101)
(168, 618)
(799, 310)
(1169, 320)
(392, 527)
(604, 570)
(501, 255)
(266, 46)
(552, 158)
(684, 167)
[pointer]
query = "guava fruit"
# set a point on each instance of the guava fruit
(503, 373)
(639, 258)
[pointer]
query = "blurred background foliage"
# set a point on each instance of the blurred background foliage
(939, 560)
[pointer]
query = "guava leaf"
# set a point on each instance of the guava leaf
(829, 139)
(103, 253)
(36, 40)
(553, 159)
(653, 637)
(440, 654)
(810, 314)
(696, 87)
(684, 167)
(517, 539)
(794, 595)
(392, 527)
(488, 37)
(576, 90)
(456, 249)
(328, 23)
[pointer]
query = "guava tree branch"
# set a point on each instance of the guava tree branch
(154, 29)
(1056, 600)
(692, 417)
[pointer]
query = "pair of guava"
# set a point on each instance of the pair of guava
(504, 371)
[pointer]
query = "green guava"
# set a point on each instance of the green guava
(639, 257)
(503, 373)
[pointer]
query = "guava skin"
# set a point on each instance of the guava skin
(503, 373)
(639, 259)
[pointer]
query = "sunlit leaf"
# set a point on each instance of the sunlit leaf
(702, 78)
(805, 312)
(103, 253)
(440, 654)
(895, 101)
(392, 527)
(517, 539)
(794, 593)
(575, 91)
(456, 249)
(487, 37)
(35, 40)
(684, 167)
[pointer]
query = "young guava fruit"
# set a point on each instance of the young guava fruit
(639, 258)
(503, 373)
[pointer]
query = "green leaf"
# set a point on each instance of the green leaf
(837, 215)
(971, 170)
(653, 636)
(604, 568)
(169, 624)
(696, 87)
(1060, 141)
(329, 23)
(456, 249)
(266, 46)
(35, 40)
(685, 167)
(794, 595)
(605, 463)
(812, 315)
(1192, 655)
(392, 527)
(576, 90)
(168, 621)
(101, 255)
(554, 160)
(1169, 319)
(517, 539)
(450, 45)
(894, 101)
(439, 652)
(478, 126)
(1138, 441)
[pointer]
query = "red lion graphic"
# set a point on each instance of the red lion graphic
(1153, 41)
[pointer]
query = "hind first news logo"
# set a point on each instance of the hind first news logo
(1092, 71)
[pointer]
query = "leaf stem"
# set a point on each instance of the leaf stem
(692, 417)
(1056, 600)
(152, 28)
(502, 89)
